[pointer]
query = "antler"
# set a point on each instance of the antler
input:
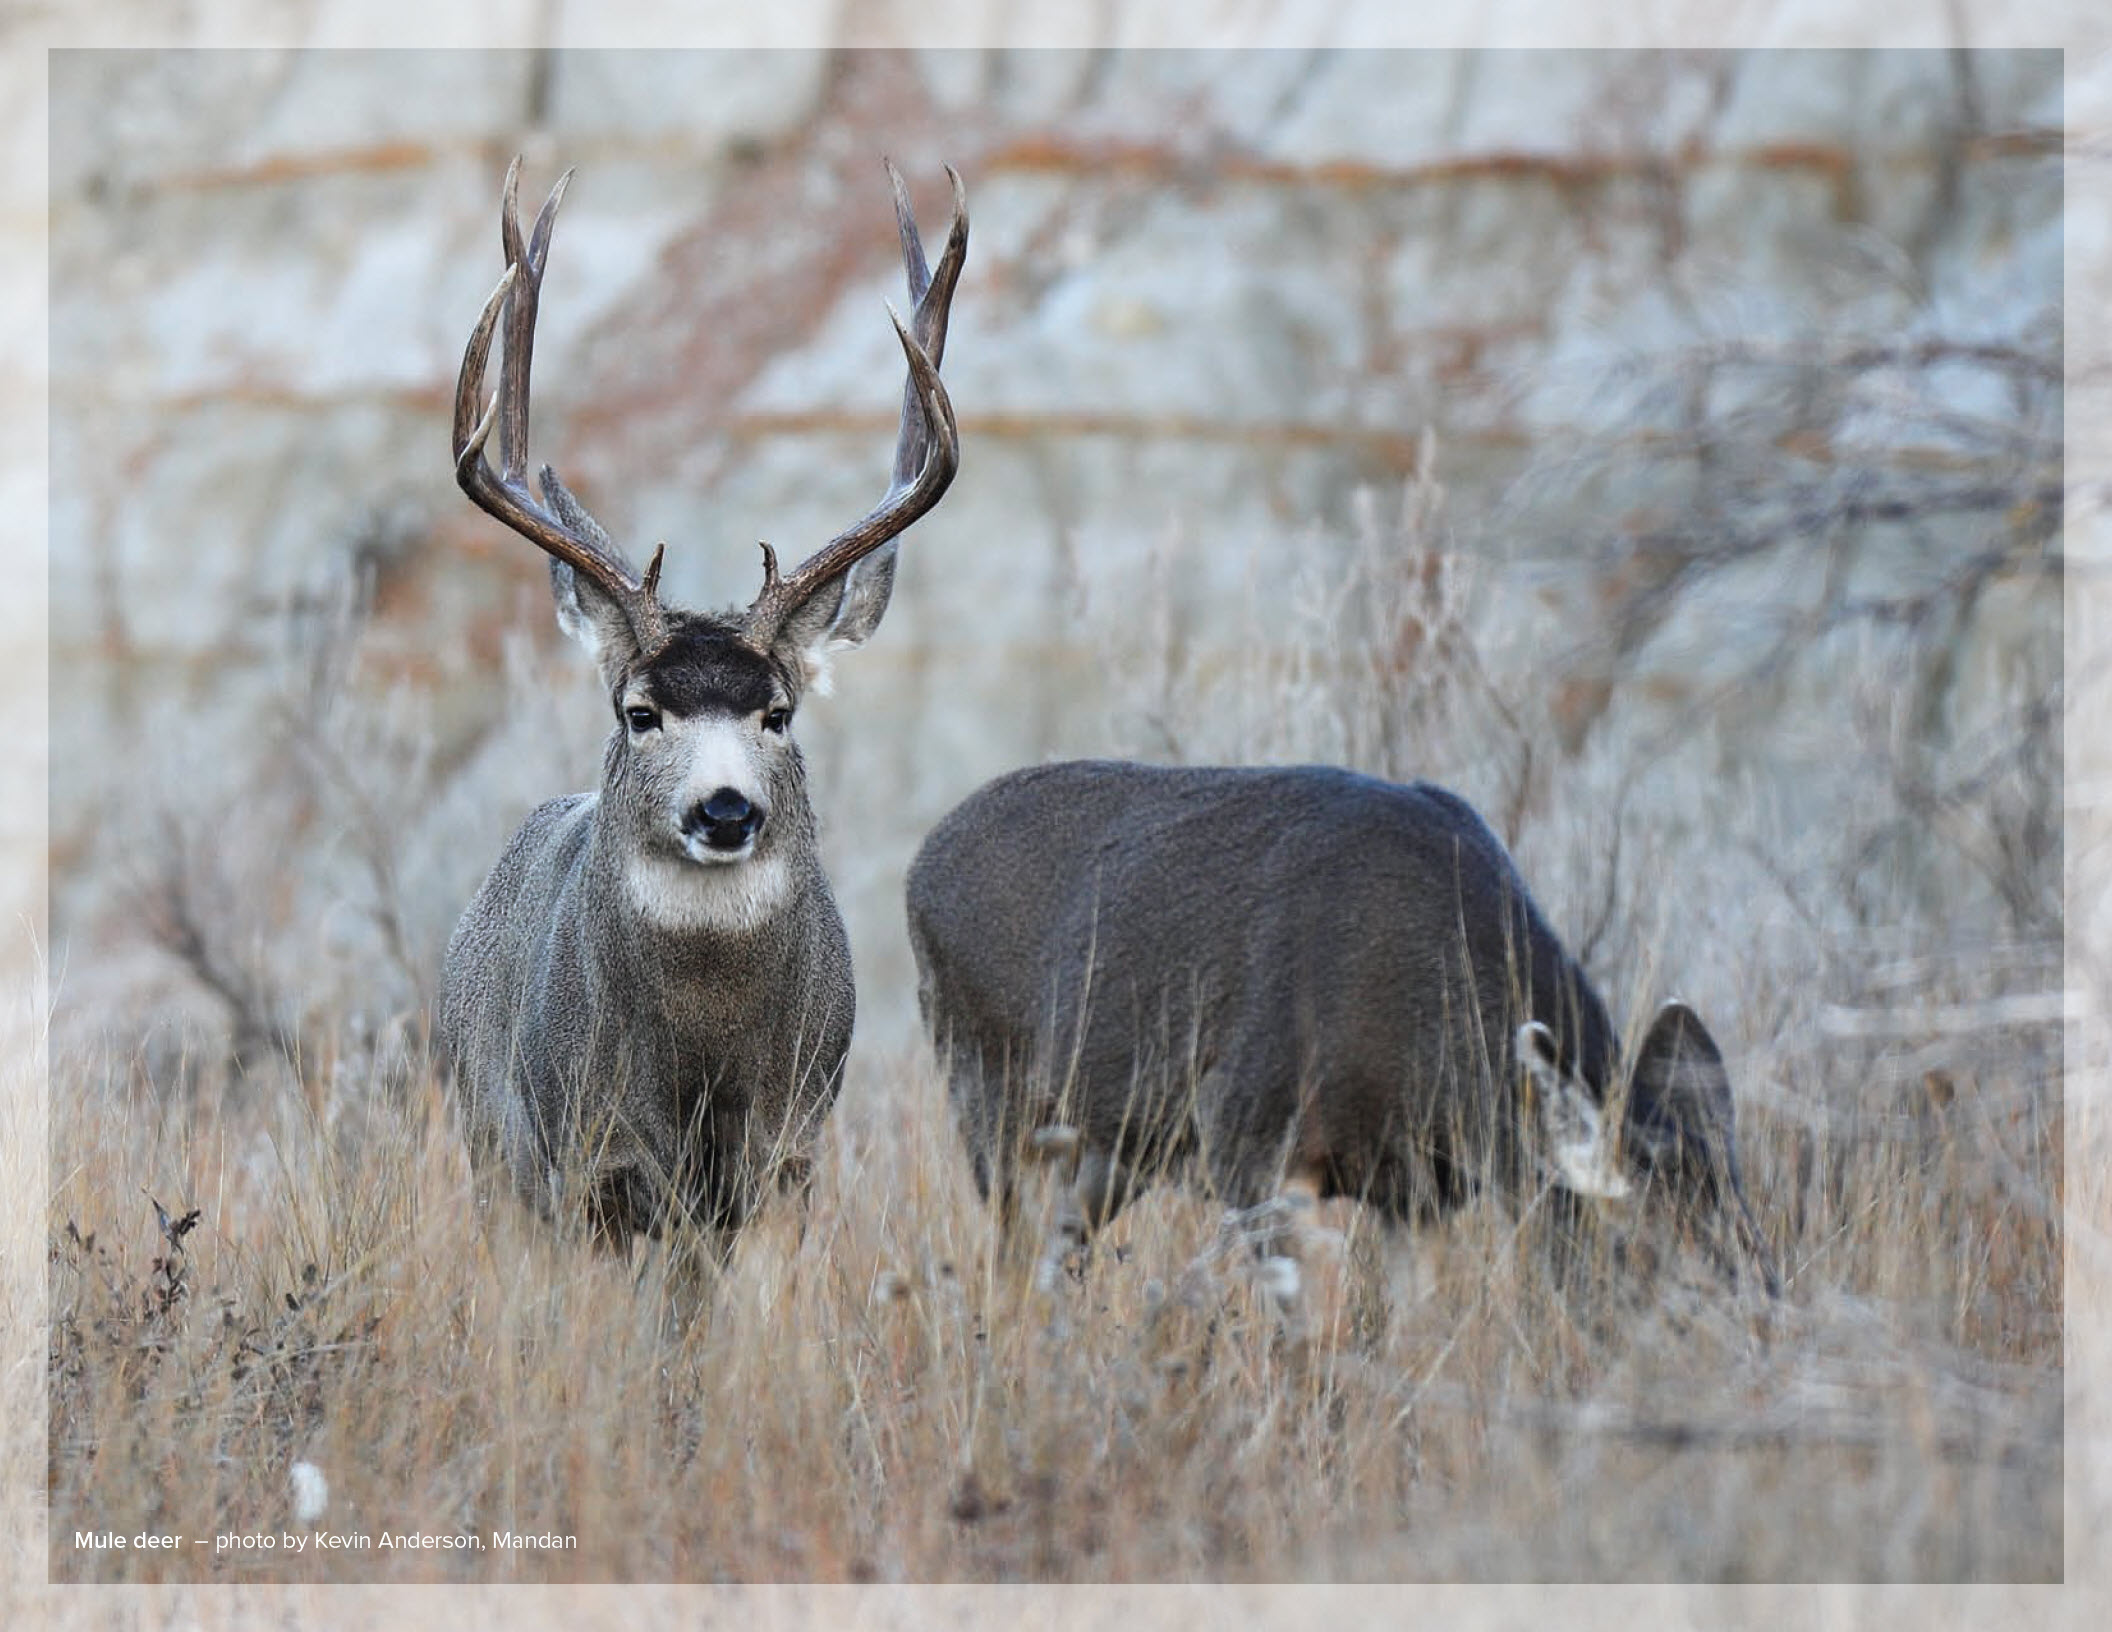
(927, 447)
(560, 526)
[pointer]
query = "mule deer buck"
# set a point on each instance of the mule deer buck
(648, 1004)
(1312, 982)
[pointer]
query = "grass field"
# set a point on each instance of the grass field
(872, 1400)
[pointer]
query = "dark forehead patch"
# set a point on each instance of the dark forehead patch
(706, 668)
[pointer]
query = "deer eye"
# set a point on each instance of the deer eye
(641, 719)
(777, 719)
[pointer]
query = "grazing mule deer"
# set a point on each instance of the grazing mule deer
(1315, 983)
(648, 1004)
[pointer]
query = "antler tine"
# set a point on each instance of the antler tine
(902, 504)
(927, 446)
(504, 493)
(470, 428)
(906, 225)
(935, 298)
(932, 300)
(517, 365)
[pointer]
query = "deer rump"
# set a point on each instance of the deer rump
(1269, 971)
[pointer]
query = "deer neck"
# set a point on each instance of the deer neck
(676, 915)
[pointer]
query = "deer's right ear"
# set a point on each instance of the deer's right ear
(594, 619)
(1679, 1095)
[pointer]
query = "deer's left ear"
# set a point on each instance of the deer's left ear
(839, 616)
(1582, 1152)
(867, 588)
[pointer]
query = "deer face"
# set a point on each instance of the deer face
(702, 783)
(704, 733)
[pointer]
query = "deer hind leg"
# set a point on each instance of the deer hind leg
(1277, 1232)
(1057, 1147)
(1273, 1234)
(1092, 1186)
(1266, 1156)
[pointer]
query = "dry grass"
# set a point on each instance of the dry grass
(876, 1399)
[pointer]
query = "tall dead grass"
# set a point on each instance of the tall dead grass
(871, 1397)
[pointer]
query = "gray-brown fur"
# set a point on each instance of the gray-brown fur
(648, 1005)
(1302, 979)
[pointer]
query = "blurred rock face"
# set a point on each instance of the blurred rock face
(1743, 373)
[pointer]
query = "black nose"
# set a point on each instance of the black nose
(726, 820)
